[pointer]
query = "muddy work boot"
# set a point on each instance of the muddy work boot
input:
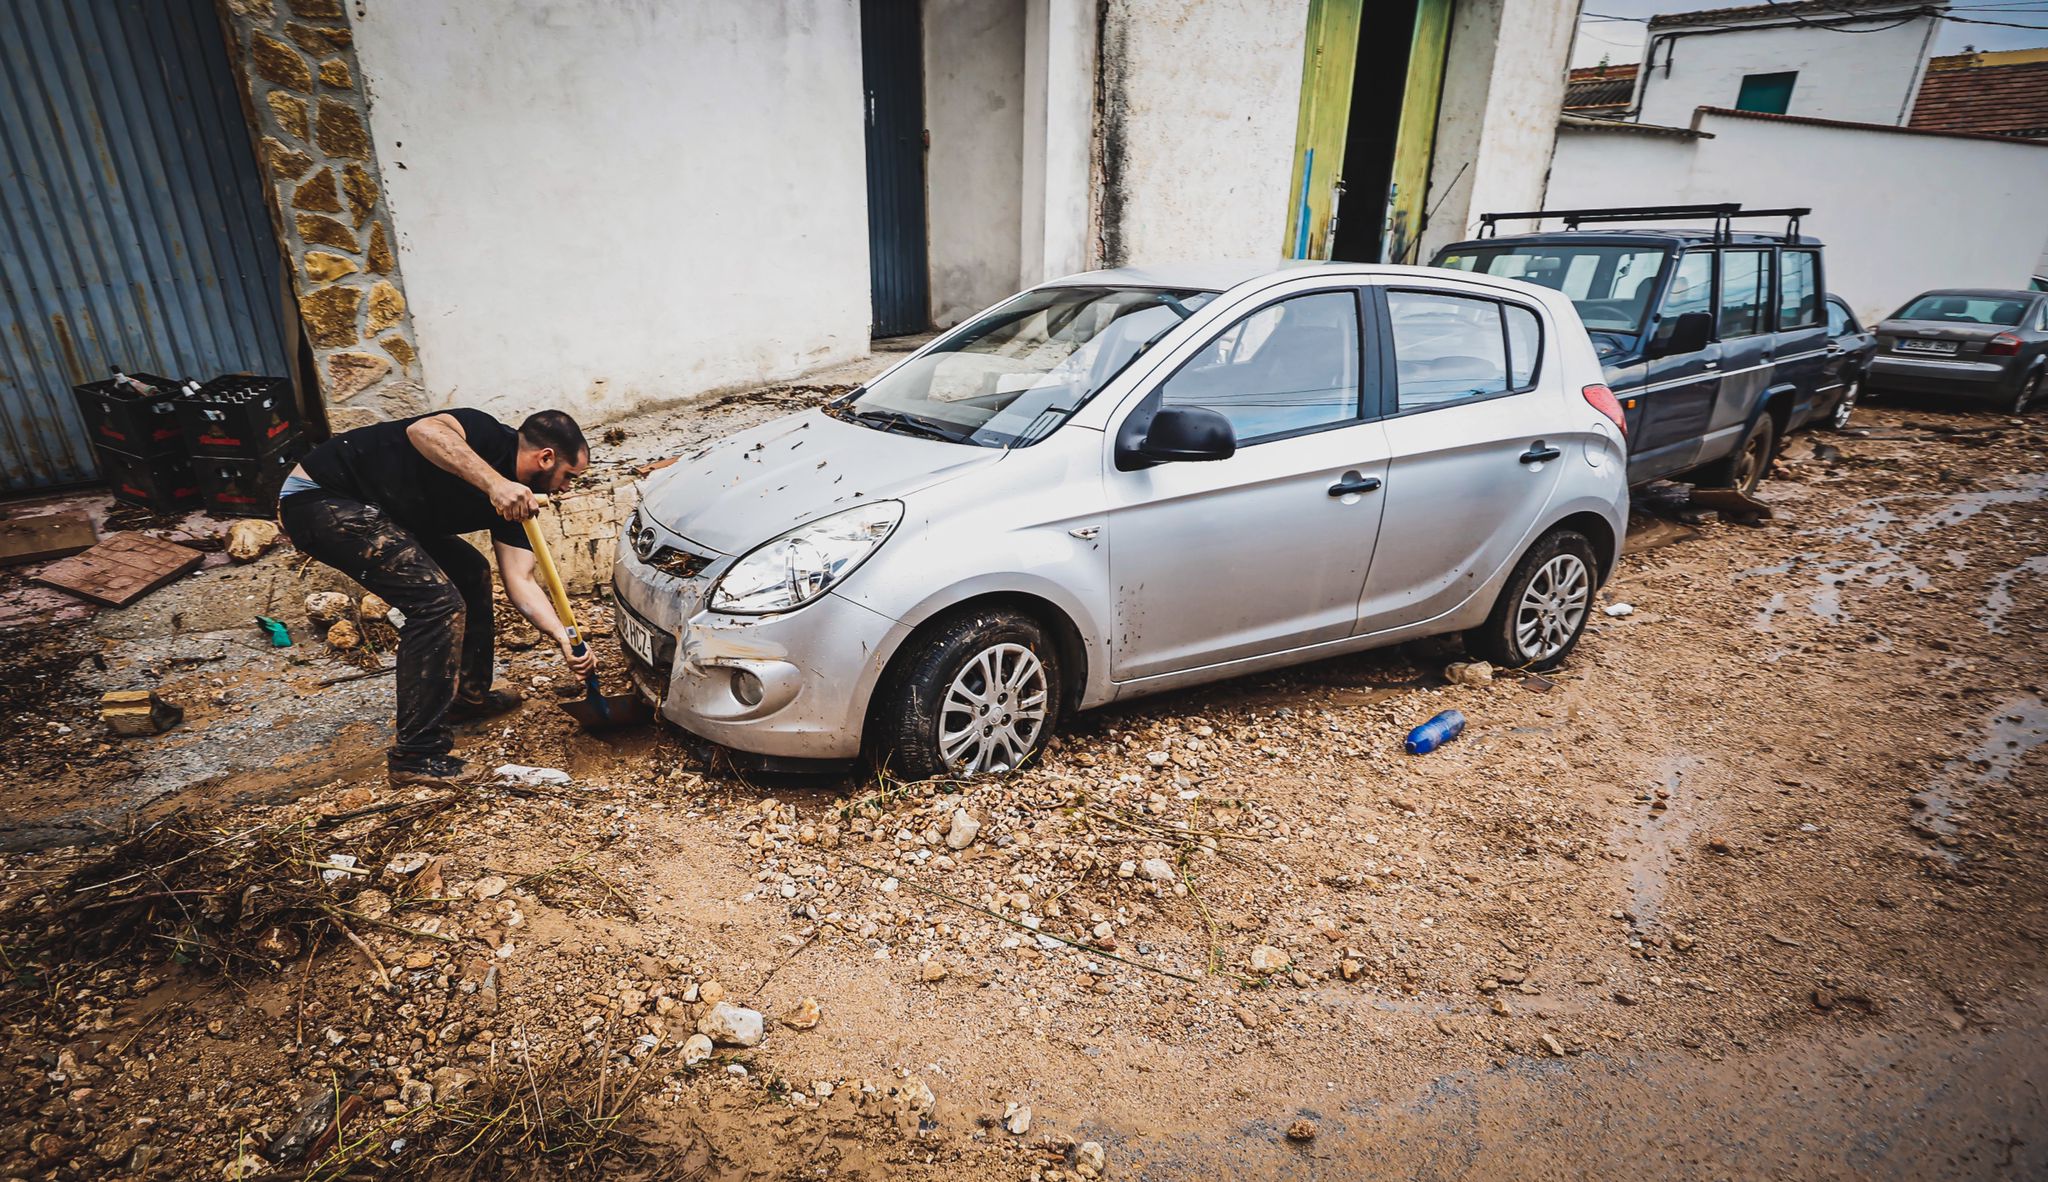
(428, 769)
(493, 703)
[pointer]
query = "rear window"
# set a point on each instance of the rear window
(1610, 285)
(1449, 348)
(1954, 309)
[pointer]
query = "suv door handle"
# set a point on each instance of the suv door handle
(1354, 483)
(1539, 453)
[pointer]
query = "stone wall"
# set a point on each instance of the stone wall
(305, 101)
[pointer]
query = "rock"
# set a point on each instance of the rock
(1017, 1119)
(533, 777)
(1618, 610)
(373, 607)
(247, 540)
(246, 1165)
(1157, 870)
(414, 1093)
(1267, 960)
(488, 887)
(932, 971)
(418, 959)
(961, 833)
(343, 635)
(729, 1025)
(1469, 673)
(1090, 1159)
(804, 1016)
(1551, 1044)
(1349, 969)
(710, 993)
(696, 1049)
(449, 1082)
(1302, 1130)
(325, 607)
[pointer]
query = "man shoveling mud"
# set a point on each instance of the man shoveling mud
(383, 504)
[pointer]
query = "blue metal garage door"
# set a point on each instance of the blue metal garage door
(132, 226)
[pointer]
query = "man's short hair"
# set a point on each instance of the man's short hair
(552, 428)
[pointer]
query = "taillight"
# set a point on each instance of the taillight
(2003, 345)
(1602, 399)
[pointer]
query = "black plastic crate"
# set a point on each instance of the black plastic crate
(129, 422)
(239, 417)
(163, 483)
(238, 487)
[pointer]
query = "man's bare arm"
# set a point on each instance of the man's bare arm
(441, 439)
(516, 567)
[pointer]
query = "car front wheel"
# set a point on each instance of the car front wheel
(1744, 470)
(1542, 611)
(2029, 393)
(978, 694)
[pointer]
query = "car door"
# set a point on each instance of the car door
(1473, 437)
(1848, 346)
(1742, 321)
(1800, 343)
(1670, 411)
(1265, 551)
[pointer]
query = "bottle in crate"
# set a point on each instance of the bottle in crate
(239, 416)
(134, 414)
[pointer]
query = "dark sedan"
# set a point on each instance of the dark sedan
(1985, 345)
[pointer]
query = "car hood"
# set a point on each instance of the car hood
(746, 488)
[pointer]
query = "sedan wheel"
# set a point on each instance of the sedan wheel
(995, 711)
(2028, 393)
(1552, 608)
(1846, 407)
(973, 694)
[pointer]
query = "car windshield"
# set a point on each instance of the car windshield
(1955, 309)
(1011, 377)
(1611, 285)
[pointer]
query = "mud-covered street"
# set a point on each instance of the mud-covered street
(1753, 886)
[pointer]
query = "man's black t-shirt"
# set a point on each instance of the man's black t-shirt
(378, 465)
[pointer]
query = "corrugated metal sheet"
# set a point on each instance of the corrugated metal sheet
(892, 68)
(132, 226)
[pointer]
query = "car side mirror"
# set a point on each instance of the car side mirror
(1177, 434)
(1689, 333)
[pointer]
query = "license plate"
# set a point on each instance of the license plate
(637, 637)
(1912, 346)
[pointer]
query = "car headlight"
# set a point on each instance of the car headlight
(792, 570)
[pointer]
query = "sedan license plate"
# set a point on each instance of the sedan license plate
(637, 637)
(1918, 346)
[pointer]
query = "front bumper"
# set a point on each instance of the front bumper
(1962, 379)
(812, 670)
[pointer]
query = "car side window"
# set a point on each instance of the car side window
(1798, 289)
(1838, 319)
(1289, 367)
(1744, 289)
(1448, 348)
(1692, 286)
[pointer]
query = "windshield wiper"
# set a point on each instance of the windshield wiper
(897, 421)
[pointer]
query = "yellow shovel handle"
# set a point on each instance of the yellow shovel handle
(548, 574)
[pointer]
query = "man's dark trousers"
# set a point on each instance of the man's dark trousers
(441, 584)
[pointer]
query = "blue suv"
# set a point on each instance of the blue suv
(1715, 342)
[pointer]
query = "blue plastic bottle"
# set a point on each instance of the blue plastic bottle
(1436, 732)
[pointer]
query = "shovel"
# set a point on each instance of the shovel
(595, 711)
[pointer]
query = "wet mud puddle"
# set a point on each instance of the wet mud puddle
(2012, 731)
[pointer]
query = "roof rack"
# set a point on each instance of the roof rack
(1723, 214)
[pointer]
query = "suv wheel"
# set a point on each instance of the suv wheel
(2028, 392)
(1847, 406)
(1744, 470)
(979, 694)
(1542, 611)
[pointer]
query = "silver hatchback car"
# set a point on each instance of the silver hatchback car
(1124, 482)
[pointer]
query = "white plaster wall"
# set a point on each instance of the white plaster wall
(1504, 81)
(603, 203)
(974, 109)
(1860, 77)
(1922, 234)
(1200, 101)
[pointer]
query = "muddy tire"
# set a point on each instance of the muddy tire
(977, 694)
(2028, 395)
(1543, 608)
(1852, 392)
(1745, 470)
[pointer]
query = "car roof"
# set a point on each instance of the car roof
(1675, 237)
(1224, 274)
(1993, 293)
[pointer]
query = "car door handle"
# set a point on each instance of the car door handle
(1354, 483)
(1539, 453)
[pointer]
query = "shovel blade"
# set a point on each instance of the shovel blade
(612, 710)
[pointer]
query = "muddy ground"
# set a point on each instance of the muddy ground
(1753, 887)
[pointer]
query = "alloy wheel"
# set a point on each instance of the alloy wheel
(1552, 607)
(994, 712)
(2025, 398)
(1846, 407)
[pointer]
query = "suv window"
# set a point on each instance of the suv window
(1289, 367)
(1449, 347)
(1692, 287)
(1798, 289)
(1744, 284)
(1610, 285)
